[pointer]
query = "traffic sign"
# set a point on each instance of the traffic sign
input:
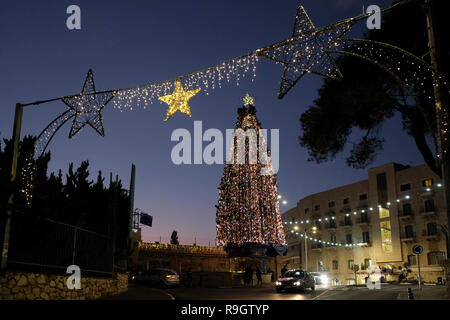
(417, 249)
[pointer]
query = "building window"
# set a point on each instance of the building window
(436, 257)
(412, 260)
(432, 229)
(348, 220)
(350, 264)
(382, 188)
(429, 205)
(319, 225)
(331, 204)
(363, 196)
(367, 263)
(332, 223)
(427, 182)
(386, 236)
(320, 266)
(405, 187)
(317, 207)
(333, 239)
(306, 210)
(348, 239)
(384, 213)
(346, 200)
(365, 237)
(335, 265)
(407, 209)
(409, 231)
(364, 217)
(351, 282)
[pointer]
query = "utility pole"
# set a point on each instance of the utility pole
(441, 107)
(16, 139)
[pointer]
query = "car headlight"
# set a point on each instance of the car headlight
(278, 283)
(298, 283)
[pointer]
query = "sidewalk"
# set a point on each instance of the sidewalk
(427, 292)
(141, 293)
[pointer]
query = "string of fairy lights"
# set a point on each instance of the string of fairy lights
(308, 50)
(292, 227)
(412, 72)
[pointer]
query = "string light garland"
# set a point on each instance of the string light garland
(308, 50)
(412, 72)
(347, 212)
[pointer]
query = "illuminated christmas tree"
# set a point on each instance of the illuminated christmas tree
(248, 212)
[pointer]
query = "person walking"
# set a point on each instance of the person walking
(259, 276)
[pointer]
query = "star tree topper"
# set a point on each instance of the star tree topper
(178, 100)
(307, 51)
(248, 100)
(87, 106)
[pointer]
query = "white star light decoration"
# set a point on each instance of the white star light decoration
(306, 51)
(87, 106)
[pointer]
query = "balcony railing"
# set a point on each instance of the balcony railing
(431, 235)
(362, 221)
(428, 210)
(404, 215)
(345, 224)
(330, 226)
(408, 237)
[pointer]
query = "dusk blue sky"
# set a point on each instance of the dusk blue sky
(134, 42)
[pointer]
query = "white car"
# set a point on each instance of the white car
(322, 278)
(159, 277)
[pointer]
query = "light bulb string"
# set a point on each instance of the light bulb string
(233, 60)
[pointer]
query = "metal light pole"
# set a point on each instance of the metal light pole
(306, 252)
(9, 211)
(442, 133)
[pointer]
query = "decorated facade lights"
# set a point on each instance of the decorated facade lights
(407, 197)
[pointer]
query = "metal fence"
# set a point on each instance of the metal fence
(41, 244)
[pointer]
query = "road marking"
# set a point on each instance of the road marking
(170, 296)
(320, 294)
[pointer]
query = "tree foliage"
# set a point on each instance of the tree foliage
(368, 96)
(174, 238)
(77, 201)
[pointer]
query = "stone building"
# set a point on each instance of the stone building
(210, 266)
(374, 222)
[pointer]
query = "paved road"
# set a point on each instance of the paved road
(387, 292)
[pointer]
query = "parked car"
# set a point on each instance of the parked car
(158, 277)
(321, 278)
(296, 279)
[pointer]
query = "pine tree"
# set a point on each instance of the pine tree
(248, 209)
(174, 237)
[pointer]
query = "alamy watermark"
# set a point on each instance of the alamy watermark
(238, 141)
(74, 280)
(373, 21)
(73, 21)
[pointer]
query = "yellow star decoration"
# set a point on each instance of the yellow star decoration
(178, 100)
(248, 100)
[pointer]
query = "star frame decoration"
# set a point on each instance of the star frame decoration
(307, 51)
(87, 106)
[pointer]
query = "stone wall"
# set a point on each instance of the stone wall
(35, 286)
